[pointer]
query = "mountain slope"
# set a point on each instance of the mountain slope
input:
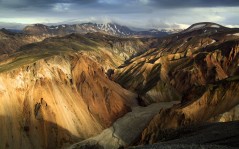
(124, 131)
(56, 92)
(178, 62)
(64, 90)
(198, 67)
(70, 92)
(10, 42)
(109, 51)
(210, 136)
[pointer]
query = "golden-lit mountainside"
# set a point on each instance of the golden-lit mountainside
(192, 58)
(198, 66)
(57, 90)
(56, 100)
(100, 91)
(108, 50)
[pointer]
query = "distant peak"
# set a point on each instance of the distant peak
(207, 24)
(38, 25)
(203, 25)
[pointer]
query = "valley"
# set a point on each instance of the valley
(85, 86)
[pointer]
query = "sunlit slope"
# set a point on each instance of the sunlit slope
(55, 93)
(108, 50)
(198, 67)
(182, 62)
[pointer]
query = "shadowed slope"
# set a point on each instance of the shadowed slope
(10, 42)
(210, 136)
(44, 134)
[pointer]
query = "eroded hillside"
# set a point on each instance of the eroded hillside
(10, 42)
(63, 92)
(56, 92)
(56, 100)
(198, 66)
(181, 62)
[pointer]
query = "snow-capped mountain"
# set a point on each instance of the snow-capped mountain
(205, 27)
(108, 28)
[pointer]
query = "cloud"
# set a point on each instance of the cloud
(137, 13)
(232, 26)
(194, 3)
(11, 25)
(62, 7)
(41, 4)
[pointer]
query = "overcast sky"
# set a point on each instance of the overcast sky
(137, 13)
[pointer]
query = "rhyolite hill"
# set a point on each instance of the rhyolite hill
(102, 91)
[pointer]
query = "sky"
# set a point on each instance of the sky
(135, 13)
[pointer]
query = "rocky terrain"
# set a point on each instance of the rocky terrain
(10, 42)
(56, 92)
(210, 136)
(61, 89)
(175, 64)
(198, 66)
(51, 97)
(123, 131)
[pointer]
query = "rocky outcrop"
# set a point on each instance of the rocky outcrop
(212, 102)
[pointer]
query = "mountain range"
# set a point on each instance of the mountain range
(108, 28)
(108, 87)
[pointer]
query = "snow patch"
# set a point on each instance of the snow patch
(215, 26)
(53, 27)
(196, 27)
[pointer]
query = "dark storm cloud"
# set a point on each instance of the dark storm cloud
(111, 5)
(134, 12)
(194, 3)
(40, 3)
